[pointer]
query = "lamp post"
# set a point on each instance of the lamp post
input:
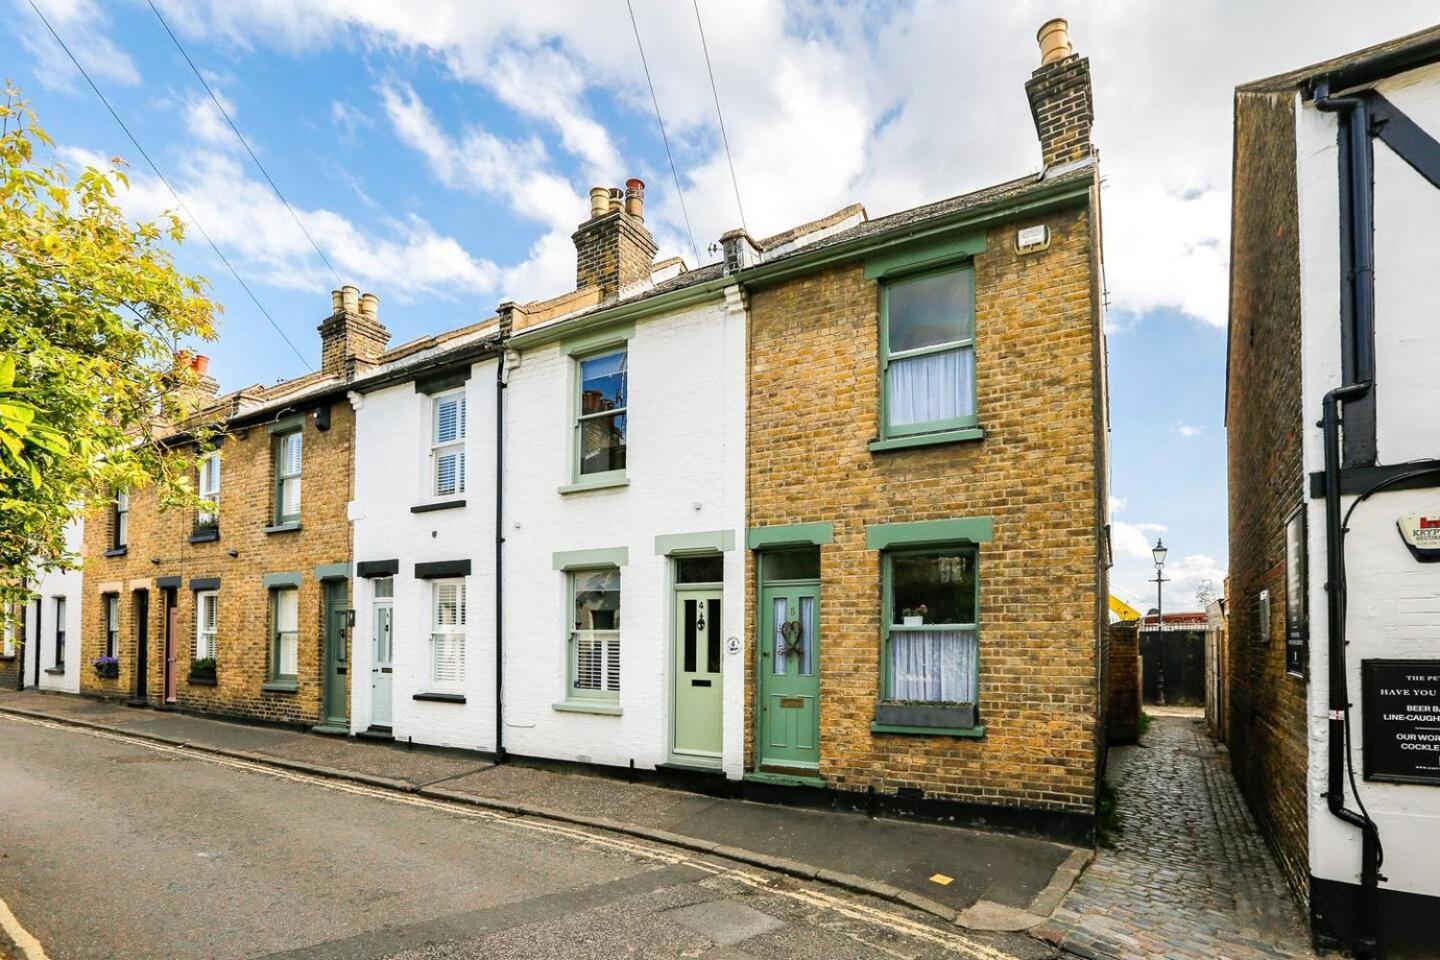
(1159, 554)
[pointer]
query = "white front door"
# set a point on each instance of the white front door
(381, 675)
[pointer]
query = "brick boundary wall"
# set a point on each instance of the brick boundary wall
(1122, 683)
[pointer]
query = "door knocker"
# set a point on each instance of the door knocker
(794, 635)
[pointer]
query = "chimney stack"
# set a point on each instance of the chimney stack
(352, 337)
(613, 248)
(1061, 101)
(197, 388)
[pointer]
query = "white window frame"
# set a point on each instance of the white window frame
(60, 606)
(456, 444)
(447, 637)
(610, 672)
(205, 640)
(209, 488)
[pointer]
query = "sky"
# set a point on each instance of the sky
(440, 154)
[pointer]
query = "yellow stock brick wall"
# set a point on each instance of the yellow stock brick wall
(814, 405)
(160, 547)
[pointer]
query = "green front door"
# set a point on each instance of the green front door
(698, 689)
(337, 663)
(789, 643)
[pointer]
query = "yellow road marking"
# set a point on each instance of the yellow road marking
(29, 947)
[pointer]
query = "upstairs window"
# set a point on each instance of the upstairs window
(447, 634)
(209, 489)
(120, 520)
(595, 640)
(288, 459)
(447, 444)
(927, 351)
(207, 615)
(602, 409)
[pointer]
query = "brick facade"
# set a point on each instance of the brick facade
(1121, 657)
(159, 548)
(814, 404)
(1266, 716)
(613, 251)
(1063, 110)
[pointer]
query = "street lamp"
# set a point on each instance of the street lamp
(1159, 554)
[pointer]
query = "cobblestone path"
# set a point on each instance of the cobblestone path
(1189, 878)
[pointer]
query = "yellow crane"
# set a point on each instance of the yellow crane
(1122, 609)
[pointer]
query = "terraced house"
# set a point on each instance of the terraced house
(242, 611)
(823, 520)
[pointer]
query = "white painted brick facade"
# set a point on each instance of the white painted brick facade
(1394, 601)
(392, 474)
(685, 469)
(49, 586)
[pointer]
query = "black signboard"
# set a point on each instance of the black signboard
(1401, 703)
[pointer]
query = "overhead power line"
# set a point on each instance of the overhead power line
(716, 93)
(660, 120)
(193, 219)
(239, 136)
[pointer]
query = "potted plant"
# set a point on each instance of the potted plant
(202, 670)
(106, 668)
(914, 616)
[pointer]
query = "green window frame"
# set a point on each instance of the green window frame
(963, 346)
(893, 627)
(289, 461)
(284, 634)
(592, 656)
(592, 420)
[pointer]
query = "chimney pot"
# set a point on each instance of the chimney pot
(1054, 39)
(200, 363)
(599, 201)
(635, 197)
(617, 199)
(337, 301)
(350, 298)
(370, 306)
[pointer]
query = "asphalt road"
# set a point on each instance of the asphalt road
(110, 848)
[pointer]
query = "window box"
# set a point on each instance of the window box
(106, 668)
(202, 672)
(919, 713)
(205, 535)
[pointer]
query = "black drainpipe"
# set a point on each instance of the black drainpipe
(499, 556)
(1358, 304)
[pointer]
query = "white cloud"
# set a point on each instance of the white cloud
(1117, 504)
(348, 117)
(1133, 540)
(1188, 430)
(81, 24)
(206, 123)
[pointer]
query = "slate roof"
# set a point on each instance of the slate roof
(1361, 66)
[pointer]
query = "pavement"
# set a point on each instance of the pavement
(114, 846)
(996, 882)
(1188, 877)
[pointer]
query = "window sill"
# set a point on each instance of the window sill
(280, 686)
(585, 486)
(283, 527)
(927, 439)
(117, 551)
(55, 671)
(205, 535)
(437, 505)
(971, 733)
(602, 707)
(440, 697)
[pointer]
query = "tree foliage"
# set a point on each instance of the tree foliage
(92, 313)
